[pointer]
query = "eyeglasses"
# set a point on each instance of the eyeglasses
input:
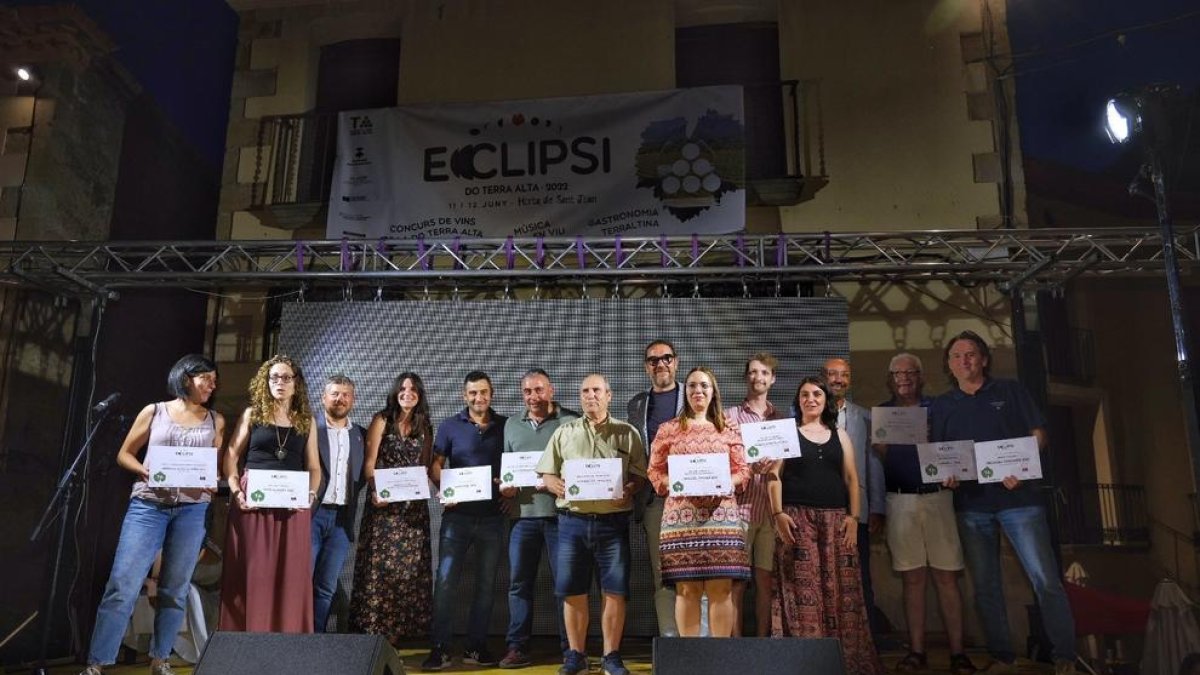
(837, 373)
(897, 374)
(284, 379)
(665, 359)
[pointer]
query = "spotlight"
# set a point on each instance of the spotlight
(1119, 119)
(24, 74)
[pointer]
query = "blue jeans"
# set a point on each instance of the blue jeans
(587, 542)
(330, 545)
(149, 526)
(458, 533)
(1029, 534)
(525, 542)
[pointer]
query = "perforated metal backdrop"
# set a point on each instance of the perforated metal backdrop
(371, 342)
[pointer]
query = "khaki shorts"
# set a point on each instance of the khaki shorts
(760, 545)
(922, 530)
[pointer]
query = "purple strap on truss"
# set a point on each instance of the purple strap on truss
(344, 263)
(509, 254)
(617, 250)
(425, 262)
(828, 246)
(695, 247)
(454, 247)
(662, 242)
(741, 247)
(541, 251)
(579, 255)
(781, 251)
(299, 256)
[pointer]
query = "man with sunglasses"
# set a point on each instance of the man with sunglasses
(647, 410)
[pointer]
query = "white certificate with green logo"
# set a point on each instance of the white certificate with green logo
(1009, 457)
(906, 425)
(181, 467)
(402, 484)
(591, 479)
(773, 439)
(517, 469)
(700, 475)
(271, 489)
(940, 461)
(466, 484)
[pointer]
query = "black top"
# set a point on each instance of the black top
(660, 408)
(815, 477)
(265, 443)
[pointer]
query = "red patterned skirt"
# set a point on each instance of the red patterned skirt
(703, 538)
(818, 589)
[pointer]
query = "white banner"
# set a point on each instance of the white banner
(670, 162)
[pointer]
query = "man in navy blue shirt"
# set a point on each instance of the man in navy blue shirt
(473, 437)
(982, 408)
(921, 530)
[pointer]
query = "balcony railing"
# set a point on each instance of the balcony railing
(295, 156)
(1104, 514)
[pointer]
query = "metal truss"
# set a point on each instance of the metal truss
(1040, 258)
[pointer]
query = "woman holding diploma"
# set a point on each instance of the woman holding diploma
(170, 519)
(702, 542)
(814, 498)
(393, 582)
(266, 583)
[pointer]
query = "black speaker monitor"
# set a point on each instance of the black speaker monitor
(280, 653)
(757, 656)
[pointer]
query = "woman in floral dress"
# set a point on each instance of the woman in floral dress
(393, 587)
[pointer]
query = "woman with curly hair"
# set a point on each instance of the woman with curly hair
(814, 502)
(702, 544)
(166, 519)
(266, 584)
(393, 579)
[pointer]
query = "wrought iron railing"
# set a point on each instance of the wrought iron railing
(295, 154)
(1103, 514)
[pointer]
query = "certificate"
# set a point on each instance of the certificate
(1009, 457)
(268, 488)
(467, 484)
(702, 475)
(589, 479)
(182, 467)
(517, 469)
(940, 461)
(402, 484)
(900, 425)
(774, 439)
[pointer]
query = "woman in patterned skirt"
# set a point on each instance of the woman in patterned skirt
(702, 542)
(818, 588)
(393, 586)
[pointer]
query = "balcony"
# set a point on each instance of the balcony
(295, 158)
(1103, 514)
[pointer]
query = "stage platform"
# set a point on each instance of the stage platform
(636, 652)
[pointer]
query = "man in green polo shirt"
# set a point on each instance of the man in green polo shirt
(594, 533)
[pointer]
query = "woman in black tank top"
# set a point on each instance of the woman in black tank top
(817, 588)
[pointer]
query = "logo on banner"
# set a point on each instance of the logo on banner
(359, 157)
(361, 125)
(505, 149)
(689, 171)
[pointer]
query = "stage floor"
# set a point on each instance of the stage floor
(636, 652)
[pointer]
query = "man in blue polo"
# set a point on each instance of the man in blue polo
(536, 520)
(473, 437)
(982, 408)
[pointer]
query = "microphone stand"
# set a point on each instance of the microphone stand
(61, 499)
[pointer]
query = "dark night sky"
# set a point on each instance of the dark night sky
(1062, 89)
(182, 53)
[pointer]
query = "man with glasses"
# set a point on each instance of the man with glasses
(536, 520)
(856, 420)
(921, 530)
(981, 408)
(647, 411)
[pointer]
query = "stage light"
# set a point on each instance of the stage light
(24, 74)
(1117, 121)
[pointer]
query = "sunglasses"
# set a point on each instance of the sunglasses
(665, 359)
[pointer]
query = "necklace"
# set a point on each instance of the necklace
(281, 451)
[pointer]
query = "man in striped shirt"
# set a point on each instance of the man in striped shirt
(756, 507)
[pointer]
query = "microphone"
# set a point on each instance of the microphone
(107, 403)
